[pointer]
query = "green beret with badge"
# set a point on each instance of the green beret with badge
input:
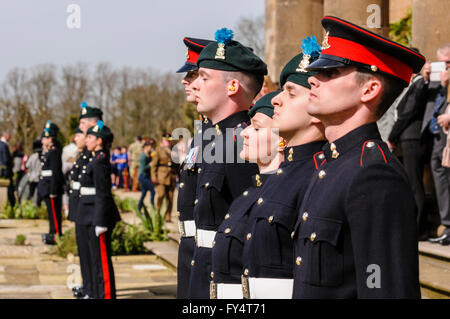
(228, 55)
(102, 131)
(90, 111)
(264, 105)
(295, 70)
(50, 130)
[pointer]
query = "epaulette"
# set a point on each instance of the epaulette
(319, 159)
(372, 152)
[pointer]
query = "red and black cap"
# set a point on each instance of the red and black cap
(194, 47)
(346, 44)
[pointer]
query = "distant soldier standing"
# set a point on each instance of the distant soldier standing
(88, 117)
(51, 181)
(98, 211)
(135, 150)
(163, 174)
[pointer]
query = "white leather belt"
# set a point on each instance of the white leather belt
(267, 288)
(76, 185)
(46, 173)
(187, 228)
(87, 191)
(225, 291)
(205, 238)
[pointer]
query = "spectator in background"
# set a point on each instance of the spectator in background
(144, 174)
(34, 168)
(122, 167)
(6, 165)
(114, 173)
(436, 105)
(17, 157)
(68, 157)
(135, 150)
(406, 135)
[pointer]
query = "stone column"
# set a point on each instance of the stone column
(430, 26)
(369, 14)
(287, 23)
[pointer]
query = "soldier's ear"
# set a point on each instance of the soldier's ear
(371, 90)
(233, 87)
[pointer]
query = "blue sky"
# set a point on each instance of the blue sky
(136, 33)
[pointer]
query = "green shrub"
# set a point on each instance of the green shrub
(24, 210)
(153, 222)
(128, 239)
(65, 244)
(126, 204)
(20, 240)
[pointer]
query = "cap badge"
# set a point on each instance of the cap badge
(325, 44)
(95, 129)
(223, 36)
(310, 48)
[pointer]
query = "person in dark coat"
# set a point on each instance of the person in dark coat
(406, 134)
(98, 211)
(230, 76)
(188, 174)
(356, 234)
(6, 164)
(51, 181)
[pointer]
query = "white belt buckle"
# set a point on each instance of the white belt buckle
(87, 191)
(46, 173)
(76, 185)
(205, 238)
(270, 288)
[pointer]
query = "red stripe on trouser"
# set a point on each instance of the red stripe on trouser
(55, 220)
(105, 268)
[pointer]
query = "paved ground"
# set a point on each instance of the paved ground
(31, 272)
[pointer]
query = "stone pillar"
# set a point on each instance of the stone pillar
(369, 14)
(398, 9)
(430, 26)
(287, 23)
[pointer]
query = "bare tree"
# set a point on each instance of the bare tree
(250, 32)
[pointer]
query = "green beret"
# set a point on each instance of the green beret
(90, 111)
(295, 70)
(78, 130)
(102, 131)
(229, 55)
(50, 130)
(264, 105)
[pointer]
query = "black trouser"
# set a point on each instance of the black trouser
(185, 254)
(102, 271)
(84, 254)
(32, 190)
(413, 159)
(54, 214)
(11, 196)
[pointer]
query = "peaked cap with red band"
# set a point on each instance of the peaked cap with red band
(194, 46)
(346, 44)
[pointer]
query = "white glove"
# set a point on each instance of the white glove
(100, 230)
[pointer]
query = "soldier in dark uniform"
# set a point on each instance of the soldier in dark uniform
(230, 76)
(188, 174)
(233, 232)
(163, 175)
(268, 248)
(356, 234)
(50, 186)
(97, 210)
(88, 117)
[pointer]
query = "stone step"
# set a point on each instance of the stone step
(167, 251)
(434, 250)
(434, 276)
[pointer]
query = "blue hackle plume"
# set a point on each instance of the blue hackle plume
(46, 129)
(224, 35)
(100, 124)
(84, 104)
(310, 46)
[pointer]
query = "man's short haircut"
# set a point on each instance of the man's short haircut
(251, 83)
(391, 88)
(139, 138)
(444, 49)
